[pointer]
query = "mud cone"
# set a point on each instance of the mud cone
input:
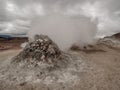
(42, 49)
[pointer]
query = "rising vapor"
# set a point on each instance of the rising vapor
(64, 30)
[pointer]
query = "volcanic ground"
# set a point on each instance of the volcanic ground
(93, 68)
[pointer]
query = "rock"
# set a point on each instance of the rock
(42, 49)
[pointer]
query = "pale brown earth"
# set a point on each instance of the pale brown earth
(7, 44)
(96, 68)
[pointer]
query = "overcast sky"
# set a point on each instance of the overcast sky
(16, 15)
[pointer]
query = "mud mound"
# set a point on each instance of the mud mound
(116, 36)
(110, 42)
(42, 49)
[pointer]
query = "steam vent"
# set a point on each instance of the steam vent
(42, 49)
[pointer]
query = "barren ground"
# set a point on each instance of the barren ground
(99, 70)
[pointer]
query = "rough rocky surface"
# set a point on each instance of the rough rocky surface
(64, 74)
(42, 49)
(93, 68)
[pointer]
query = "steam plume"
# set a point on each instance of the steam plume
(64, 30)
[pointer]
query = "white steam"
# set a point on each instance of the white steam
(64, 30)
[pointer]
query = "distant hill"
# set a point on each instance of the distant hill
(12, 36)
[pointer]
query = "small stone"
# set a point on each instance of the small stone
(22, 84)
(43, 57)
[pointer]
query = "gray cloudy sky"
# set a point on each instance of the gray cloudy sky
(16, 15)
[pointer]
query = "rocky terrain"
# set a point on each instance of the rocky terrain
(96, 67)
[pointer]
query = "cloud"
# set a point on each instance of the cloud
(106, 12)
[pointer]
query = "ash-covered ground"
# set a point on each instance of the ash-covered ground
(92, 68)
